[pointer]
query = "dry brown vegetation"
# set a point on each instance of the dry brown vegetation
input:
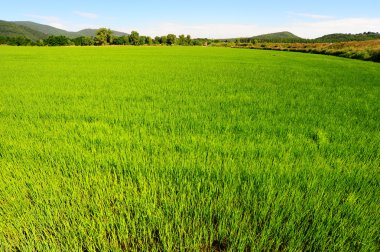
(365, 50)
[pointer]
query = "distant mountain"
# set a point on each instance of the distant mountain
(50, 30)
(330, 38)
(277, 35)
(341, 37)
(10, 29)
(284, 36)
(46, 29)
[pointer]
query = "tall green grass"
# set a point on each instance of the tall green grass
(187, 149)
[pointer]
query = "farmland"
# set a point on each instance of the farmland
(187, 148)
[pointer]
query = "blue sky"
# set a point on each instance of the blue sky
(207, 18)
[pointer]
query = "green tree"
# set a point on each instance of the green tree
(188, 40)
(122, 40)
(39, 42)
(83, 41)
(57, 41)
(171, 39)
(197, 42)
(20, 41)
(157, 40)
(134, 38)
(181, 40)
(149, 40)
(142, 40)
(104, 36)
(164, 40)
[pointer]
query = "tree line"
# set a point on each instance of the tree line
(105, 36)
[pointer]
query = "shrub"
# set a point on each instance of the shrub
(374, 56)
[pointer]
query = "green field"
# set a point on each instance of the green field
(187, 149)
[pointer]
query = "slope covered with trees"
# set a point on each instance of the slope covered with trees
(47, 29)
(9, 29)
(277, 35)
(341, 37)
(287, 37)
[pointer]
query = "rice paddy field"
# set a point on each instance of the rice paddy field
(187, 149)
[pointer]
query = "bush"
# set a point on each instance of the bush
(374, 56)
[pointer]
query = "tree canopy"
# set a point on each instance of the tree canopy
(134, 38)
(104, 36)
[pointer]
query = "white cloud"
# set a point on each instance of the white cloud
(58, 25)
(311, 16)
(86, 14)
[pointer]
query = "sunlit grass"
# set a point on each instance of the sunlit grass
(172, 149)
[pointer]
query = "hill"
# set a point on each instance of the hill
(46, 29)
(284, 36)
(50, 30)
(288, 37)
(341, 37)
(10, 29)
(276, 35)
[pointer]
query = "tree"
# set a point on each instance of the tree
(84, 41)
(122, 40)
(104, 36)
(142, 40)
(197, 42)
(39, 42)
(157, 40)
(164, 40)
(188, 40)
(19, 41)
(57, 41)
(134, 38)
(181, 40)
(171, 39)
(149, 40)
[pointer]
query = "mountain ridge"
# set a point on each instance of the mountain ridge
(36, 31)
(9, 29)
(277, 35)
(50, 30)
